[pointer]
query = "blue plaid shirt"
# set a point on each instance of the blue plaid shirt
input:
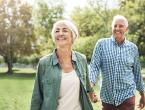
(120, 69)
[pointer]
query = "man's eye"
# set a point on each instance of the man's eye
(120, 26)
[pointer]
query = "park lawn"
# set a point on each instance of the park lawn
(16, 90)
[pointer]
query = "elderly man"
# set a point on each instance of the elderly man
(117, 60)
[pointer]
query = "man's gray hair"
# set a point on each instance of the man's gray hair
(119, 17)
(70, 26)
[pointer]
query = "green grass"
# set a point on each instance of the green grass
(16, 90)
(19, 70)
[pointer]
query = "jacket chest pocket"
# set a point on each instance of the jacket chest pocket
(48, 85)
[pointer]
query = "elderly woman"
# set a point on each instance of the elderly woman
(62, 79)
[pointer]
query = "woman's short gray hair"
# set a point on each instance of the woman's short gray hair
(119, 17)
(70, 26)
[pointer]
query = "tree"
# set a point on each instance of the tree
(134, 10)
(16, 31)
(45, 13)
(93, 22)
(93, 18)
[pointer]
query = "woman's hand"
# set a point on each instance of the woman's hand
(93, 97)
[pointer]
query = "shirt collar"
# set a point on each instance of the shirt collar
(113, 39)
(55, 60)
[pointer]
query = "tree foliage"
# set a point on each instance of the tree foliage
(86, 45)
(45, 13)
(16, 31)
(134, 10)
(93, 19)
(93, 22)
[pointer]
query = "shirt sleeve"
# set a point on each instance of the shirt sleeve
(37, 95)
(137, 73)
(95, 63)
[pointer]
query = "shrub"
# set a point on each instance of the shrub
(86, 45)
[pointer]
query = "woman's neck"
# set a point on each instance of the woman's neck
(63, 53)
(64, 59)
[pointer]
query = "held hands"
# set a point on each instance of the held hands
(93, 97)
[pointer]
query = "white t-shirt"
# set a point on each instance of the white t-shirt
(69, 92)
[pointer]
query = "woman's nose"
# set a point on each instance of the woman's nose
(61, 33)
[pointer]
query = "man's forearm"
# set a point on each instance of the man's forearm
(142, 93)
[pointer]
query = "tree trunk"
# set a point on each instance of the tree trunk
(10, 71)
(9, 62)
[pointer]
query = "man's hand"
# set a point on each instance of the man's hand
(142, 101)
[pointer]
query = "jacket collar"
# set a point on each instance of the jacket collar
(55, 60)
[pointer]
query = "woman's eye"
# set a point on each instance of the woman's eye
(56, 31)
(65, 30)
(115, 26)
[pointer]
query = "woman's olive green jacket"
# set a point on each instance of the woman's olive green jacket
(48, 79)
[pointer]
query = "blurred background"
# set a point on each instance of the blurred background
(25, 27)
